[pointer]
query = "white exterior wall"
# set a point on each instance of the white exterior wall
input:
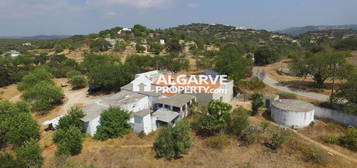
(226, 97)
(91, 126)
(291, 118)
(143, 124)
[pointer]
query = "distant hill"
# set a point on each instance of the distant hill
(305, 29)
(38, 37)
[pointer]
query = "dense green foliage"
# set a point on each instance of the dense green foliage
(348, 44)
(173, 141)
(215, 121)
(348, 91)
(29, 154)
(40, 91)
(239, 121)
(68, 141)
(257, 102)
(265, 55)
(43, 96)
(322, 66)
(113, 124)
(17, 125)
(35, 77)
(229, 61)
(8, 161)
(73, 118)
(349, 140)
(100, 45)
(78, 81)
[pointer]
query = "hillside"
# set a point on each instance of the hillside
(305, 29)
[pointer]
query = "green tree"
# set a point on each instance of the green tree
(171, 142)
(239, 121)
(8, 111)
(120, 46)
(323, 66)
(100, 45)
(349, 140)
(8, 161)
(78, 82)
(21, 128)
(257, 102)
(348, 91)
(215, 121)
(29, 154)
(37, 76)
(139, 48)
(68, 141)
(156, 48)
(113, 124)
(108, 77)
(73, 118)
(229, 61)
(43, 96)
(265, 55)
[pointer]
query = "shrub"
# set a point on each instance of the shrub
(239, 121)
(171, 142)
(264, 125)
(216, 121)
(250, 135)
(349, 140)
(278, 138)
(73, 73)
(257, 103)
(72, 119)
(332, 139)
(139, 48)
(217, 142)
(68, 141)
(206, 125)
(8, 161)
(120, 46)
(30, 154)
(78, 82)
(113, 124)
(315, 155)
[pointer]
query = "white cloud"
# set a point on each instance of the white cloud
(193, 5)
(131, 3)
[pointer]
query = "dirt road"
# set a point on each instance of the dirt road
(262, 75)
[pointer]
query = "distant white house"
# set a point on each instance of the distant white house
(162, 41)
(14, 53)
(124, 30)
(26, 44)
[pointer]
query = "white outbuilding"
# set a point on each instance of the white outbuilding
(292, 113)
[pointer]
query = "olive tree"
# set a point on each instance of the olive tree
(173, 141)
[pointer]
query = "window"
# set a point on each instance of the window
(176, 109)
(138, 120)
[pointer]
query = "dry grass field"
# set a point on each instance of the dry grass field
(132, 151)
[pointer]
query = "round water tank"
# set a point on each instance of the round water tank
(292, 113)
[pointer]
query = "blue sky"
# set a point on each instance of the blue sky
(34, 17)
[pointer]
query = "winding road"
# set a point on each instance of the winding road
(262, 75)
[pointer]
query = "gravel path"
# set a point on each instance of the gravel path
(261, 75)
